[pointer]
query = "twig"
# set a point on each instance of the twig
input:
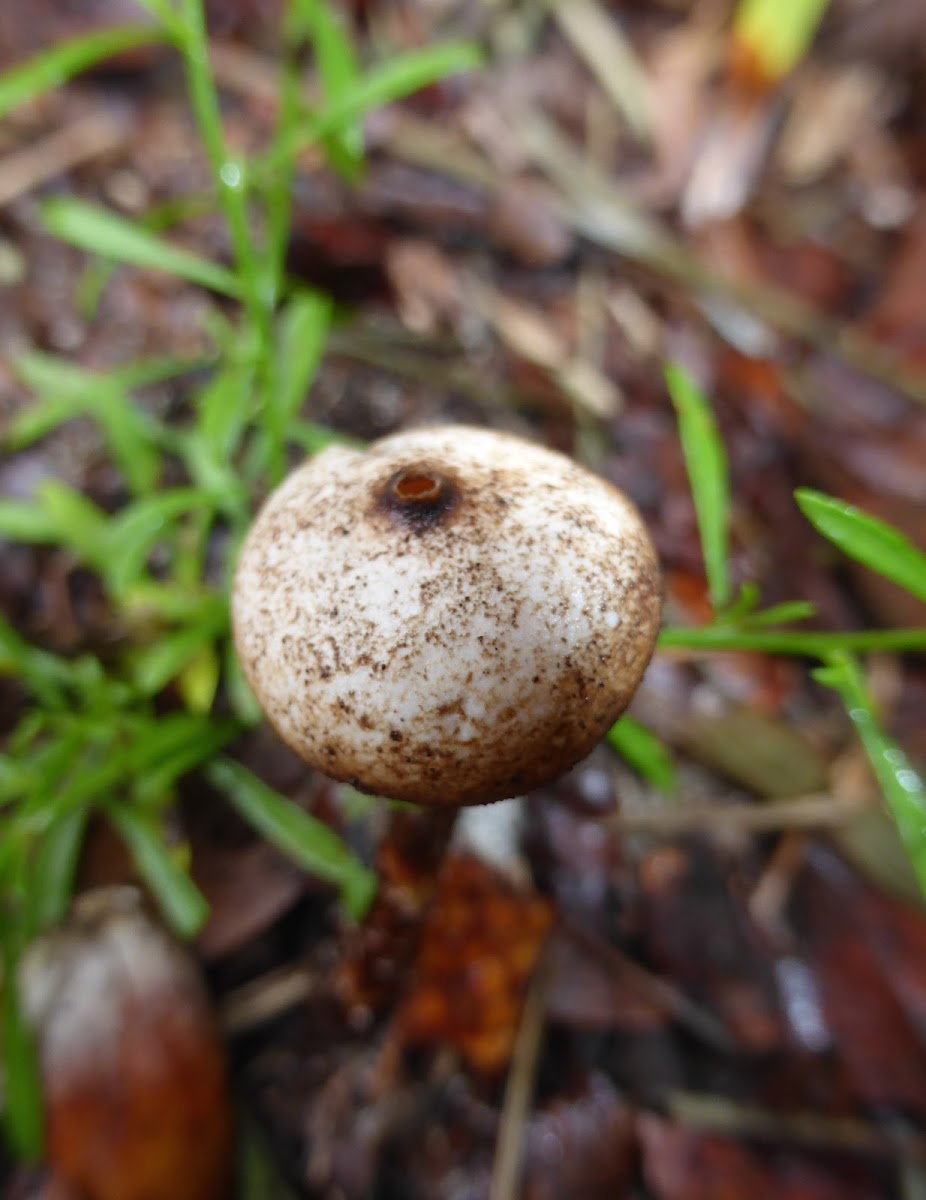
(423, 365)
(266, 998)
(816, 811)
(598, 39)
(769, 898)
(717, 1114)
(26, 169)
(519, 1089)
(666, 996)
(525, 331)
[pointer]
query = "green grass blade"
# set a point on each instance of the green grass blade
(244, 703)
(101, 232)
(219, 479)
(303, 335)
(163, 11)
(51, 764)
(169, 602)
(44, 674)
(198, 682)
(340, 73)
(42, 417)
(58, 64)
(177, 756)
(47, 373)
(868, 540)
(903, 788)
(779, 614)
(706, 462)
(129, 441)
(15, 770)
(66, 391)
(163, 660)
(22, 521)
(302, 339)
(135, 531)
(147, 371)
(79, 523)
(63, 378)
(276, 188)
(300, 836)
(334, 49)
(231, 173)
(54, 870)
(645, 753)
(744, 605)
(184, 906)
(22, 1107)
(223, 408)
(401, 76)
(783, 641)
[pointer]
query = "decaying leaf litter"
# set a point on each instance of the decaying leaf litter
(638, 994)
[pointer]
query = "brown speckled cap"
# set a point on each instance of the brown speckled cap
(452, 616)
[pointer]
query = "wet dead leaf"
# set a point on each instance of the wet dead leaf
(685, 1164)
(480, 947)
(762, 753)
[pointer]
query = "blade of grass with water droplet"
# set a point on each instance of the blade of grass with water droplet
(903, 788)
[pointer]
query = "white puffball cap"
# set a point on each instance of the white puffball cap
(451, 616)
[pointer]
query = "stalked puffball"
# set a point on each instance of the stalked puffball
(451, 616)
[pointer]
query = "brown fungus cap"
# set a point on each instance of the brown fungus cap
(452, 616)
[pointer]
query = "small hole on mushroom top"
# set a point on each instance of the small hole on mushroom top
(419, 497)
(418, 486)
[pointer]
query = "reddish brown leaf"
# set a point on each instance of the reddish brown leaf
(480, 947)
(884, 1056)
(686, 1164)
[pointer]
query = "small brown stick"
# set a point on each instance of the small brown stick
(717, 1114)
(770, 896)
(25, 169)
(665, 995)
(816, 811)
(519, 1090)
(265, 998)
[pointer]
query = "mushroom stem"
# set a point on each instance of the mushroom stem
(408, 863)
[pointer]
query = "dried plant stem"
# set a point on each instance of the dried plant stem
(818, 811)
(519, 1091)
